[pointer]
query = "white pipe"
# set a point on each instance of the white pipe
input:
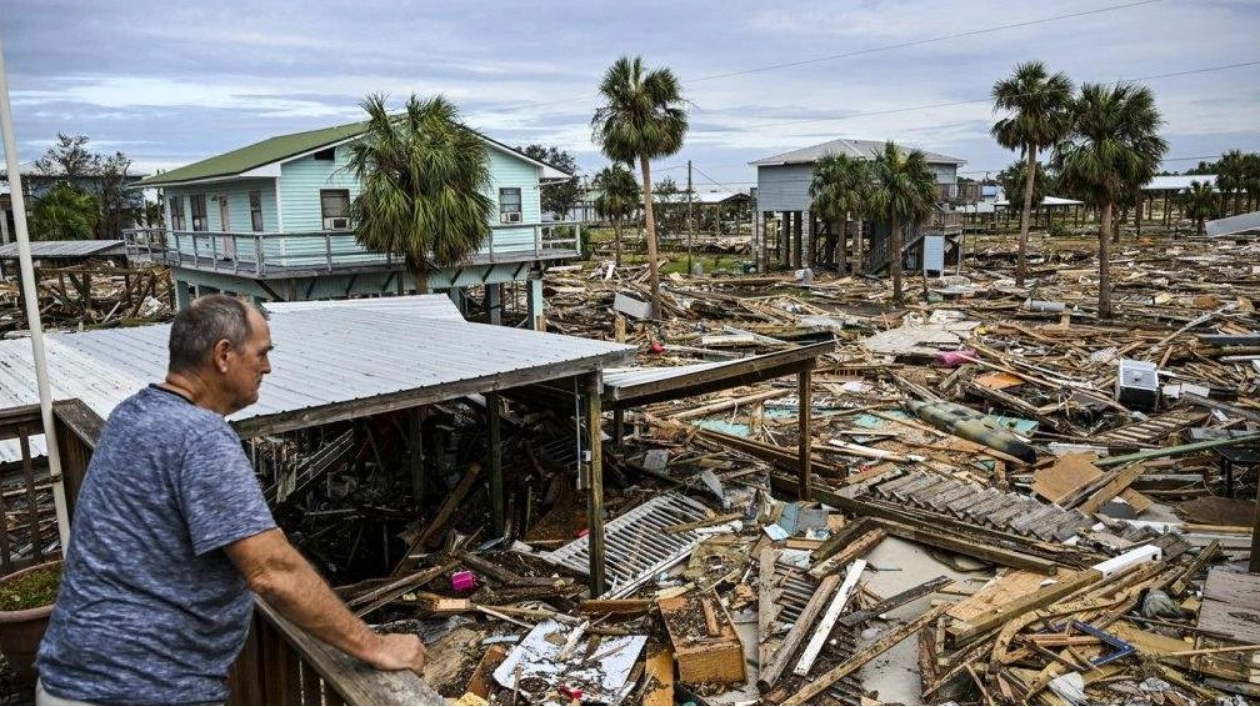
(32, 307)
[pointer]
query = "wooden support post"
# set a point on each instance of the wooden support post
(595, 491)
(416, 443)
(619, 424)
(804, 487)
(494, 422)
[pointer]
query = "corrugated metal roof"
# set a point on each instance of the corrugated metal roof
(1233, 224)
(323, 357)
(428, 306)
(615, 378)
(1045, 201)
(51, 250)
(1178, 182)
(861, 149)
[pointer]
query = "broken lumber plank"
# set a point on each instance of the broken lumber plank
(767, 602)
(723, 405)
(480, 682)
(901, 599)
(1118, 482)
(771, 672)
(375, 599)
(660, 677)
(981, 550)
(841, 538)
(452, 502)
(828, 621)
(856, 549)
(615, 607)
(716, 520)
(1175, 451)
(1196, 566)
(864, 656)
(963, 631)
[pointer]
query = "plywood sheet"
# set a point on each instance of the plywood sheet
(1068, 475)
(1231, 605)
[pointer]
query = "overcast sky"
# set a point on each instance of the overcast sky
(170, 83)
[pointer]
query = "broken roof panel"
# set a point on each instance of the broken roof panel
(54, 250)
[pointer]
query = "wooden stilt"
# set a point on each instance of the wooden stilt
(595, 491)
(494, 422)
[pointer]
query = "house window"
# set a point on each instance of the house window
(177, 213)
(334, 208)
(325, 155)
(198, 204)
(510, 205)
(255, 210)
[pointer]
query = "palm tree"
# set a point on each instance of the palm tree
(1114, 148)
(839, 188)
(1230, 176)
(423, 176)
(1040, 117)
(65, 213)
(618, 198)
(642, 118)
(1199, 203)
(904, 192)
(1251, 179)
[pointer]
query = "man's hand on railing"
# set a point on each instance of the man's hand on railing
(399, 651)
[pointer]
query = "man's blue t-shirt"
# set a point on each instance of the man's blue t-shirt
(151, 609)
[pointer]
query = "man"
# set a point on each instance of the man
(171, 533)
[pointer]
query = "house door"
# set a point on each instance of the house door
(228, 246)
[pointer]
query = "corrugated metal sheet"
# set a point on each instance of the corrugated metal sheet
(427, 306)
(334, 354)
(615, 378)
(51, 250)
(1177, 182)
(1233, 224)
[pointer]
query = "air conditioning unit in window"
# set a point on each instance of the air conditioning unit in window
(339, 223)
(512, 217)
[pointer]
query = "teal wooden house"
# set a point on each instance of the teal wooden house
(271, 221)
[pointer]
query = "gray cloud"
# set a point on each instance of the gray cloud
(170, 83)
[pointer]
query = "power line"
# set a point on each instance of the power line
(970, 101)
(930, 40)
(860, 52)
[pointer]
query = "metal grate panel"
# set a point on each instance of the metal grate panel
(635, 545)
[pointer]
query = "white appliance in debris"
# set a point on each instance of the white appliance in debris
(1137, 384)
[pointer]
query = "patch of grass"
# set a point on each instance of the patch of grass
(31, 590)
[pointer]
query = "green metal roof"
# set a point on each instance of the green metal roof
(253, 156)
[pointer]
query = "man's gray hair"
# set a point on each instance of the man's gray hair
(203, 324)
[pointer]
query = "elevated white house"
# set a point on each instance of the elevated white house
(271, 221)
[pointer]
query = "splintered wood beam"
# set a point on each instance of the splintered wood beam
(770, 673)
(864, 656)
(892, 602)
(365, 604)
(828, 622)
(857, 548)
(451, 503)
(767, 602)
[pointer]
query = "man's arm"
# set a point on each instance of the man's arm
(280, 575)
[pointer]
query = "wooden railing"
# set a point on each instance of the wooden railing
(286, 253)
(282, 665)
(29, 533)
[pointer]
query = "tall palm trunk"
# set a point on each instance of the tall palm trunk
(1021, 271)
(894, 258)
(1104, 261)
(617, 237)
(419, 274)
(650, 227)
(859, 260)
(842, 246)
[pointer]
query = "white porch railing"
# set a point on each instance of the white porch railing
(286, 253)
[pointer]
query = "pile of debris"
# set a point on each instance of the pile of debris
(79, 296)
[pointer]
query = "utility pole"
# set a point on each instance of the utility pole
(691, 221)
